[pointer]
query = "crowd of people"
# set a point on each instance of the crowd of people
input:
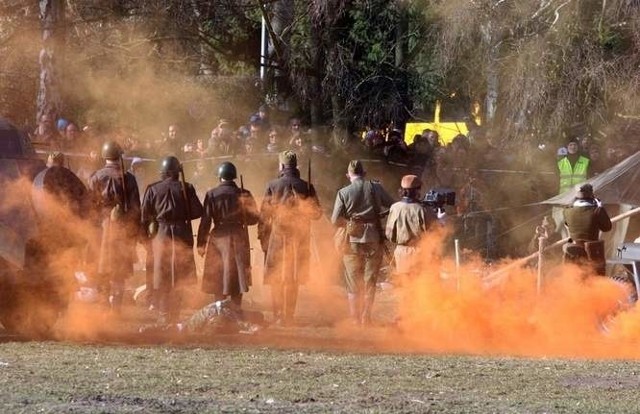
(128, 208)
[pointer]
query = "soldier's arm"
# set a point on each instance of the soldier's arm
(339, 215)
(148, 213)
(384, 199)
(251, 214)
(195, 206)
(316, 210)
(264, 223)
(604, 222)
(390, 228)
(205, 222)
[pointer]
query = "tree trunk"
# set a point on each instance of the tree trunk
(315, 101)
(205, 69)
(281, 18)
(52, 19)
(491, 43)
(401, 64)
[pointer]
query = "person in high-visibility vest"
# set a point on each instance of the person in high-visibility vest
(573, 168)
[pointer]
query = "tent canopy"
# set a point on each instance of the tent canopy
(619, 184)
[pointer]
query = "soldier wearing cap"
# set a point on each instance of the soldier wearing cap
(231, 209)
(408, 222)
(288, 206)
(116, 205)
(585, 219)
(168, 207)
(361, 204)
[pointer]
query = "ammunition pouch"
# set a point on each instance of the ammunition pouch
(355, 227)
(152, 229)
(117, 213)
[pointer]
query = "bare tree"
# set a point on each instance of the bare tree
(49, 99)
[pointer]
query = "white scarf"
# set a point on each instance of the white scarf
(581, 202)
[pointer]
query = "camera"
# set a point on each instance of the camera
(439, 197)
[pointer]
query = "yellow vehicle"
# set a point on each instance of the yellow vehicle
(447, 127)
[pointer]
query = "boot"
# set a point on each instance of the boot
(354, 307)
(277, 302)
(365, 319)
(291, 299)
(115, 303)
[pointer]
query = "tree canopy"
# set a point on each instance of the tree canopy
(537, 67)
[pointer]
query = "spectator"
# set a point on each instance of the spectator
(274, 145)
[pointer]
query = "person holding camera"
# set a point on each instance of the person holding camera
(409, 220)
(359, 207)
(585, 219)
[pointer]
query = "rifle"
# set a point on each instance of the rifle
(185, 196)
(309, 176)
(123, 175)
(241, 205)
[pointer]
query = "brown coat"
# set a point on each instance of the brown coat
(288, 206)
(586, 223)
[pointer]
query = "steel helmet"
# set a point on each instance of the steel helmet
(111, 150)
(227, 171)
(170, 165)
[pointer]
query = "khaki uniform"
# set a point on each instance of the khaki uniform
(364, 256)
(408, 221)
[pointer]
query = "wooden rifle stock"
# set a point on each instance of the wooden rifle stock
(243, 212)
(123, 175)
(185, 196)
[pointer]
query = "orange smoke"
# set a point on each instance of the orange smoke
(576, 314)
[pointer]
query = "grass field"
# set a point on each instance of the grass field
(458, 358)
(235, 376)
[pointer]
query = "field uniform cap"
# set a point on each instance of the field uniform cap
(410, 181)
(288, 158)
(227, 171)
(585, 191)
(355, 167)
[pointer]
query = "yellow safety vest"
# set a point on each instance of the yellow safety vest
(569, 176)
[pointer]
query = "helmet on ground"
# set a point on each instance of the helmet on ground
(227, 171)
(111, 150)
(170, 164)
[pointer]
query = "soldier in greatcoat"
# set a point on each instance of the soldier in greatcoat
(116, 207)
(168, 207)
(288, 206)
(231, 209)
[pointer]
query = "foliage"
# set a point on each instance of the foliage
(559, 62)
(545, 64)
